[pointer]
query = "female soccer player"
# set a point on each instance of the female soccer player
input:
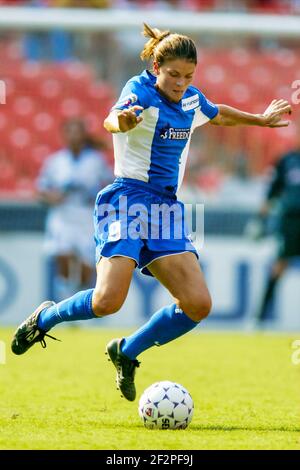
(151, 123)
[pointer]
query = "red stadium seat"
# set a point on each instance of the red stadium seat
(70, 107)
(20, 138)
(24, 106)
(3, 122)
(43, 122)
(50, 88)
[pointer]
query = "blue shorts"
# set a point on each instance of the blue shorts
(137, 220)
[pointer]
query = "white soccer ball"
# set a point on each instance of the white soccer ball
(166, 405)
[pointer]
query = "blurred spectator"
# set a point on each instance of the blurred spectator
(68, 184)
(56, 45)
(81, 3)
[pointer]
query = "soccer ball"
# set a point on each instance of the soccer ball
(166, 405)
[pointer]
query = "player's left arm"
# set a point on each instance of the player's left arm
(272, 117)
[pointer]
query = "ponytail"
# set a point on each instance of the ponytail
(163, 46)
(156, 36)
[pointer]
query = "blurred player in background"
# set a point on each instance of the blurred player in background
(284, 189)
(68, 184)
(151, 123)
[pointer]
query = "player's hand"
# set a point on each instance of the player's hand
(272, 117)
(128, 119)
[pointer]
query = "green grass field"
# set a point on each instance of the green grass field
(245, 388)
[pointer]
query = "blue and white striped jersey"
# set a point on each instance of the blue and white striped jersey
(156, 150)
(78, 178)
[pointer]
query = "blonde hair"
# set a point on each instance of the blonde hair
(164, 45)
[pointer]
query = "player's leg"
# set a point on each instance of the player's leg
(288, 237)
(277, 271)
(110, 292)
(113, 280)
(86, 274)
(182, 276)
(84, 247)
(112, 284)
(63, 280)
(80, 276)
(58, 246)
(63, 262)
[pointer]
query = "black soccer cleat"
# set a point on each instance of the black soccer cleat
(126, 368)
(28, 332)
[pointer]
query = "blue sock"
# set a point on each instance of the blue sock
(166, 324)
(77, 307)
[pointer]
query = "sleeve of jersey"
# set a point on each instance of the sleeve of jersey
(44, 181)
(132, 94)
(206, 111)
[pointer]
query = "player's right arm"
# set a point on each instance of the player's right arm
(126, 113)
(123, 120)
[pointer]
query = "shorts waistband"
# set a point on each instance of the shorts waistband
(155, 189)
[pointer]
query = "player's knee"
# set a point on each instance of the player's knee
(205, 308)
(105, 305)
(199, 307)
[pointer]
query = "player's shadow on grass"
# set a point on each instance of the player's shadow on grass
(243, 428)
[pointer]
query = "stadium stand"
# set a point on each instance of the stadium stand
(41, 95)
(250, 79)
